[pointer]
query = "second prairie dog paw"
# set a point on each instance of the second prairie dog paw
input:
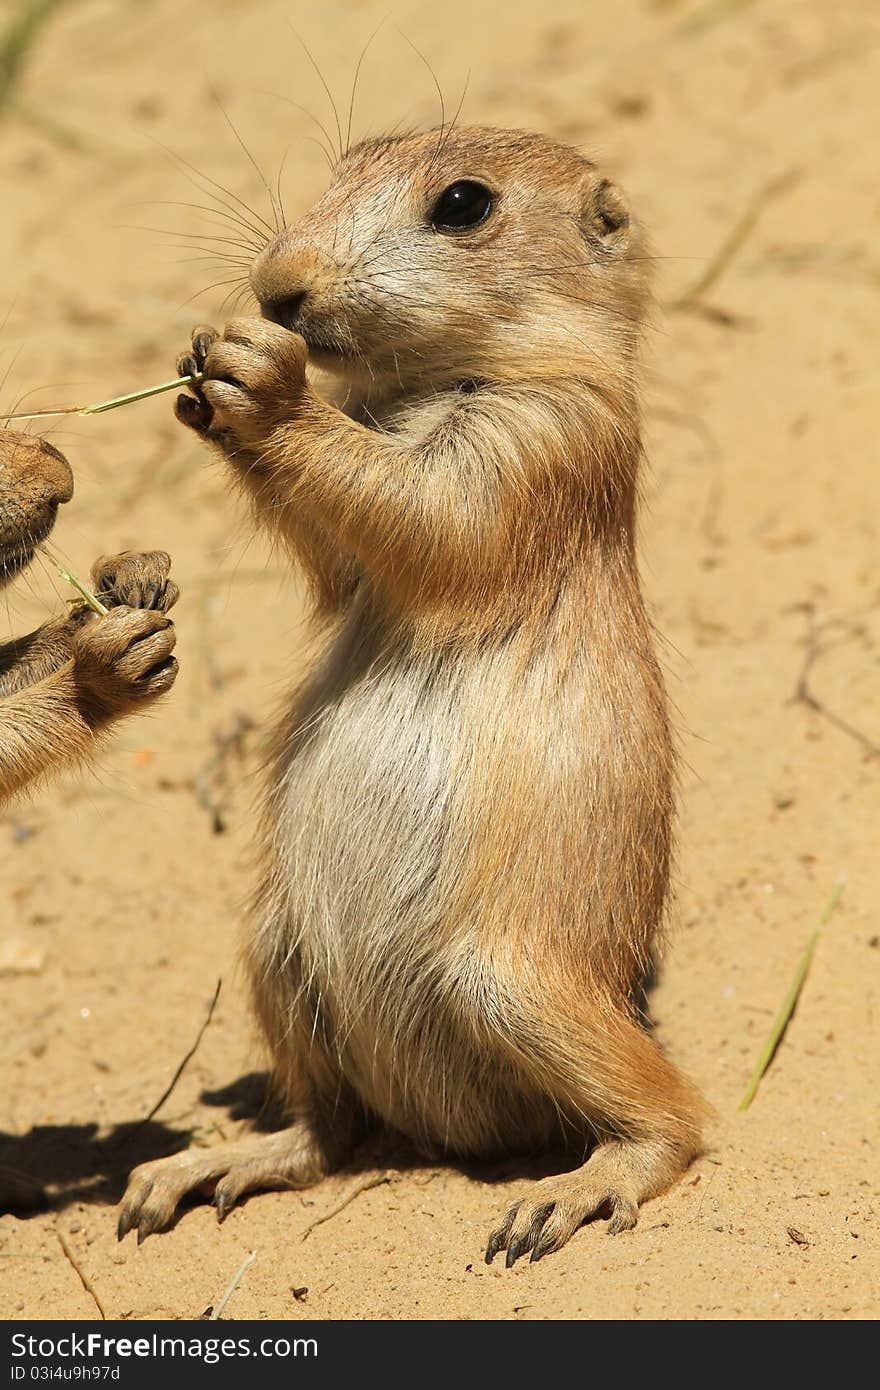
(253, 378)
(135, 579)
(124, 660)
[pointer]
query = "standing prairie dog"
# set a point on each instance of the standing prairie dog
(468, 825)
(64, 685)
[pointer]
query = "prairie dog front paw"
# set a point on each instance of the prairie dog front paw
(135, 579)
(122, 662)
(253, 379)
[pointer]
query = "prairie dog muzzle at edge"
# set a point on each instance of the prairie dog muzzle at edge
(63, 686)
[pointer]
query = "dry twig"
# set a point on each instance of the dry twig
(186, 1060)
(101, 407)
(212, 783)
(691, 299)
(81, 1275)
(233, 1285)
(129, 1134)
(804, 695)
(362, 1185)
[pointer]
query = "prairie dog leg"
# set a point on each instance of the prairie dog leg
(649, 1117)
(293, 1157)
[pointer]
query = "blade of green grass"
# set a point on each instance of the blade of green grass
(113, 404)
(86, 594)
(780, 1023)
(17, 40)
(144, 395)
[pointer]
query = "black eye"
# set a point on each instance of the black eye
(461, 205)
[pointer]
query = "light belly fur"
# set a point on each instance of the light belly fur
(371, 847)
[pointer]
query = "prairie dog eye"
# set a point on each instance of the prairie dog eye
(461, 206)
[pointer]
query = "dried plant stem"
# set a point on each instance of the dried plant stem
(712, 13)
(362, 1185)
(233, 1284)
(81, 1274)
(85, 594)
(99, 407)
(804, 694)
(184, 1062)
(733, 242)
(780, 1023)
(144, 395)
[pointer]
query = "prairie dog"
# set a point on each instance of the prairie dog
(470, 812)
(62, 686)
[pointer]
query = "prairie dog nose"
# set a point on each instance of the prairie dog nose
(34, 469)
(285, 311)
(290, 278)
(56, 474)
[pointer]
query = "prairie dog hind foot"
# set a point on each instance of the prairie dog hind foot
(616, 1179)
(291, 1158)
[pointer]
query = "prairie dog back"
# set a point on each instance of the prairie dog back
(469, 821)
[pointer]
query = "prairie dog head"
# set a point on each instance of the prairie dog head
(475, 254)
(34, 480)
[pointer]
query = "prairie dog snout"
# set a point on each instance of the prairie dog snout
(35, 480)
(429, 268)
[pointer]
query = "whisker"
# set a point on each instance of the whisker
(193, 241)
(192, 236)
(206, 178)
(262, 177)
(452, 123)
(206, 289)
(12, 360)
(278, 187)
(357, 73)
(423, 60)
(323, 83)
(326, 152)
(223, 214)
(9, 308)
(237, 297)
(221, 261)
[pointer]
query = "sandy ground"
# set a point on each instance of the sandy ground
(119, 904)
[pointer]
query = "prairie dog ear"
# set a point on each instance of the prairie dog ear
(605, 215)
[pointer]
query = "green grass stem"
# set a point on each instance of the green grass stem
(114, 403)
(780, 1023)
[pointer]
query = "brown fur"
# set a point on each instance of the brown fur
(62, 686)
(469, 823)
